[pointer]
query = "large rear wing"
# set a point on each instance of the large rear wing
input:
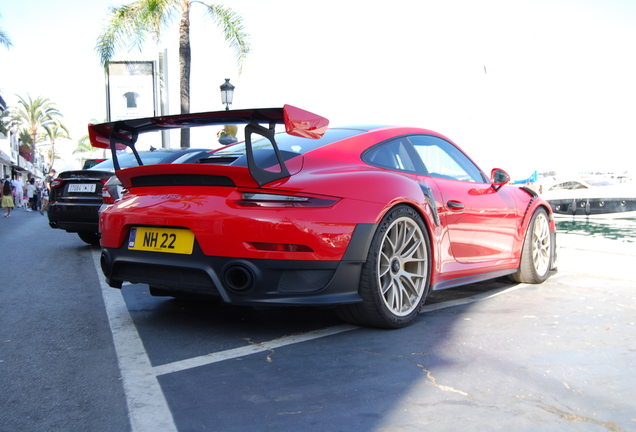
(120, 134)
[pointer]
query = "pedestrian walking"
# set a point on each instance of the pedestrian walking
(36, 196)
(7, 197)
(31, 194)
(49, 178)
(46, 190)
(19, 191)
(45, 200)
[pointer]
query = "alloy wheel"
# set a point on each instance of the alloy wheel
(402, 266)
(541, 244)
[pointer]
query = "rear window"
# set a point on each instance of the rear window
(129, 160)
(290, 143)
(89, 163)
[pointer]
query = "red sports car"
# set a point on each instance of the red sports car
(367, 218)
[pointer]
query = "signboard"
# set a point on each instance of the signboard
(131, 90)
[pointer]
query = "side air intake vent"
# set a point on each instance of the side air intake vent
(182, 180)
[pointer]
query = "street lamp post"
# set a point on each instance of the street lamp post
(227, 93)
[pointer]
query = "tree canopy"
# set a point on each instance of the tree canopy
(130, 25)
(33, 115)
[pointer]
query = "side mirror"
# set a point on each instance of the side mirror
(498, 178)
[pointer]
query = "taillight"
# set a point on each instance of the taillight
(107, 198)
(56, 183)
(260, 199)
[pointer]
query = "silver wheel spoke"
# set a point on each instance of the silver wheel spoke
(406, 298)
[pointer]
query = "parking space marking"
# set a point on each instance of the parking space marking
(253, 348)
(471, 299)
(148, 409)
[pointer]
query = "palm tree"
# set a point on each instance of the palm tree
(130, 25)
(53, 131)
(31, 116)
(83, 147)
(84, 144)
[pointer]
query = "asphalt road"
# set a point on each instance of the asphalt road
(76, 355)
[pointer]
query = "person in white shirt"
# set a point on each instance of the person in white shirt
(30, 193)
(19, 191)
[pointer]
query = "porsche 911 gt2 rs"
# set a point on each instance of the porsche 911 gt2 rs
(369, 219)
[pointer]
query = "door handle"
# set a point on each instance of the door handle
(455, 205)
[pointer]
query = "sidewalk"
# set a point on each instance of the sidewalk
(612, 259)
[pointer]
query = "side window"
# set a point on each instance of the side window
(568, 185)
(577, 185)
(393, 155)
(443, 160)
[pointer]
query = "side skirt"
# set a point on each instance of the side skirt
(471, 279)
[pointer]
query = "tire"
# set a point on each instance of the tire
(395, 278)
(534, 266)
(89, 237)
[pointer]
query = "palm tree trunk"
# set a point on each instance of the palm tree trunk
(33, 134)
(184, 66)
(52, 160)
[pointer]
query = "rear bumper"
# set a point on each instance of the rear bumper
(245, 281)
(74, 217)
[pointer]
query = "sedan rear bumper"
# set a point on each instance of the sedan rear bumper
(74, 217)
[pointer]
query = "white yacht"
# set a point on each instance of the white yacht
(597, 198)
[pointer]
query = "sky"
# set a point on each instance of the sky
(519, 85)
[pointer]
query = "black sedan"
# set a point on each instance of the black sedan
(76, 196)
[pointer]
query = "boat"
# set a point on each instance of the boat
(596, 198)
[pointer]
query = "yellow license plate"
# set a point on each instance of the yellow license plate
(170, 240)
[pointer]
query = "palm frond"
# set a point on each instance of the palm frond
(231, 24)
(83, 145)
(129, 25)
(4, 38)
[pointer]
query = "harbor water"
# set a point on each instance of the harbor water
(619, 230)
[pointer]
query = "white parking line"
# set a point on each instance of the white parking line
(148, 410)
(253, 348)
(471, 299)
(147, 406)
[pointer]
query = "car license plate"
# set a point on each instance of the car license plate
(81, 187)
(170, 240)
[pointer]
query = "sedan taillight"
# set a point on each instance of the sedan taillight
(56, 183)
(107, 198)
